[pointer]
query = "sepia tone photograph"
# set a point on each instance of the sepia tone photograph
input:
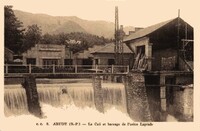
(97, 63)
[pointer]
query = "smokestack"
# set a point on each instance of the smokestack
(121, 27)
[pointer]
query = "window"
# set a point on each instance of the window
(87, 63)
(141, 49)
(47, 62)
(31, 61)
(96, 61)
(68, 62)
(111, 61)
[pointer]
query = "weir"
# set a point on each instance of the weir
(80, 94)
(145, 96)
(15, 101)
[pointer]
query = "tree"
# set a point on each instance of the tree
(62, 38)
(47, 39)
(13, 30)
(32, 36)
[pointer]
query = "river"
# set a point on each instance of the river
(76, 104)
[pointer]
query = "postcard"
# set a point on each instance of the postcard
(99, 64)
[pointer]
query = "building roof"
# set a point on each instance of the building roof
(109, 48)
(146, 31)
(87, 53)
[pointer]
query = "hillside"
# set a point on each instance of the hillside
(66, 24)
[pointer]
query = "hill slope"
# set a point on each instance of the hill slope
(66, 24)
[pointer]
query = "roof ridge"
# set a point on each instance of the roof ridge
(109, 48)
(166, 21)
(106, 45)
(148, 30)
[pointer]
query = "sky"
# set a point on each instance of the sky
(140, 13)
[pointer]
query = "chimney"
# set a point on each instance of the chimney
(138, 28)
(131, 32)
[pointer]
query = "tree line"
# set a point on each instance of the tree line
(20, 39)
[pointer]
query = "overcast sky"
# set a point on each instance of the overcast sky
(140, 13)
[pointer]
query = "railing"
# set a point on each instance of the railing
(65, 69)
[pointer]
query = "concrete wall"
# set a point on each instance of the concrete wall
(182, 106)
(179, 99)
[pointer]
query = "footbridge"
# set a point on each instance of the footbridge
(63, 70)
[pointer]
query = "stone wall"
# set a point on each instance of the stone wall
(32, 95)
(137, 101)
(98, 93)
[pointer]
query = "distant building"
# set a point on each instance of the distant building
(85, 57)
(136, 29)
(101, 55)
(159, 47)
(46, 54)
(8, 56)
(106, 55)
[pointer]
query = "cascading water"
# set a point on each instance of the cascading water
(75, 98)
(15, 100)
(114, 95)
(80, 94)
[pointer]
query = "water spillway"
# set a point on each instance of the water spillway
(15, 101)
(79, 94)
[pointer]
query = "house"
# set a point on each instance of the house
(165, 46)
(8, 55)
(85, 57)
(106, 55)
(46, 54)
(101, 55)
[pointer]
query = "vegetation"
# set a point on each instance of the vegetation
(76, 41)
(20, 40)
(13, 30)
(32, 36)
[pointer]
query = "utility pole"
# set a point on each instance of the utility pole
(178, 39)
(118, 40)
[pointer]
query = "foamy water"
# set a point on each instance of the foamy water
(80, 110)
(65, 115)
(83, 114)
